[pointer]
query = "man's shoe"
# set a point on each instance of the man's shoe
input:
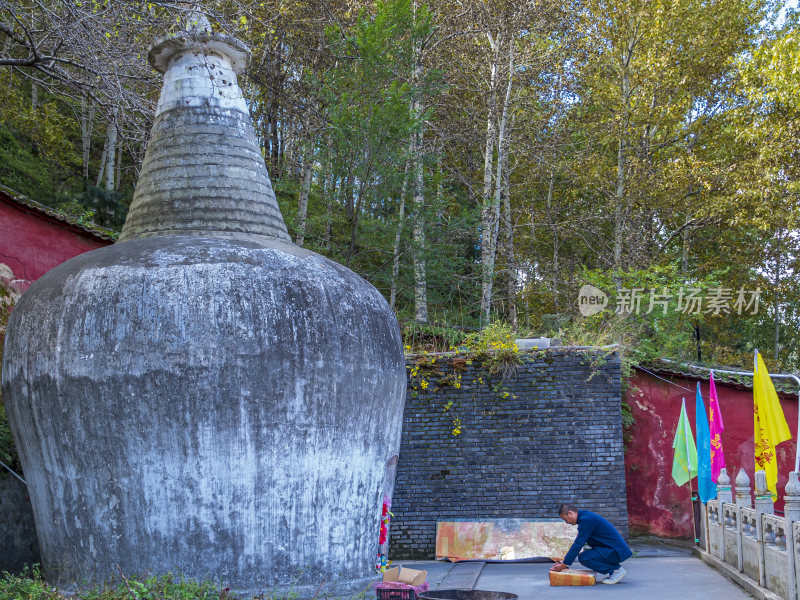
(615, 576)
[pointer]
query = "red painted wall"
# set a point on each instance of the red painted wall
(656, 505)
(32, 243)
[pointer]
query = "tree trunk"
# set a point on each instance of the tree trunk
(276, 143)
(685, 251)
(502, 199)
(420, 275)
(118, 169)
(267, 146)
(420, 279)
(103, 161)
(348, 195)
(290, 165)
(398, 235)
(87, 124)
(111, 155)
(273, 141)
(532, 270)
(554, 273)
(777, 300)
(326, 239)
(488, 211)
(305, 190)
(620, 192)
(275, 80)
(511, 266)
(619, 199)
(330, 194)
(351, 249)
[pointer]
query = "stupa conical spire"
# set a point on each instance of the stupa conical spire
(203, 173)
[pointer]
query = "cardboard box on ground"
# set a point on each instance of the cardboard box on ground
(402, 584)
(410, 577)
(572, 577)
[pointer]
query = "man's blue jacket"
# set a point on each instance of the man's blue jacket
(598, 533)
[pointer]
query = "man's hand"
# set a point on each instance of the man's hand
(559, 566)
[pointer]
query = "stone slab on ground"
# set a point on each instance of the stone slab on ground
(437, 569)
(463, 576)
(650, 547)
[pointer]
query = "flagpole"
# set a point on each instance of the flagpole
(689, 468)
(694, 521)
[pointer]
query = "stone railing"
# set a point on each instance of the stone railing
(751, 538)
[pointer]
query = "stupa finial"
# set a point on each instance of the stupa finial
(198, 36)
(196, 21)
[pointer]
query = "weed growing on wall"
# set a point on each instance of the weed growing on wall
(429, 373)
(496, 348)
(433, 338)
(424, 369)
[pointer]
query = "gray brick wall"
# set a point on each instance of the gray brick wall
(551, 433)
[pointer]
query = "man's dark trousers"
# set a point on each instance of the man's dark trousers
(600, 559)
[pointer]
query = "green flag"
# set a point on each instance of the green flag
(684, 462)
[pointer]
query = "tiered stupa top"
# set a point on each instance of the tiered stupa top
(203, 173)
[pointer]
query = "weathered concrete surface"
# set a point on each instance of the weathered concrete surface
(205, 397)
(18, 545)
(221, 410)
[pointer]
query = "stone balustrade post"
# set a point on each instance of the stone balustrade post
(724, 494)
(764, 505)
(791, 511)
(743, 490)
(791, 508)
(742, 501)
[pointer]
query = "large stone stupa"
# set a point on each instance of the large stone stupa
(204, 396)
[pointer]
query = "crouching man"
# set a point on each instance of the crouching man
(607, 548)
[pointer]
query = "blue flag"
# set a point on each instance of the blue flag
(705, 487)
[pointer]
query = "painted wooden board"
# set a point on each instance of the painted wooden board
(503, 539)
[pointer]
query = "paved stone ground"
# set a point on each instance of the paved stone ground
(657, 571)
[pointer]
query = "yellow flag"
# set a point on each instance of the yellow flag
(769, 424)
